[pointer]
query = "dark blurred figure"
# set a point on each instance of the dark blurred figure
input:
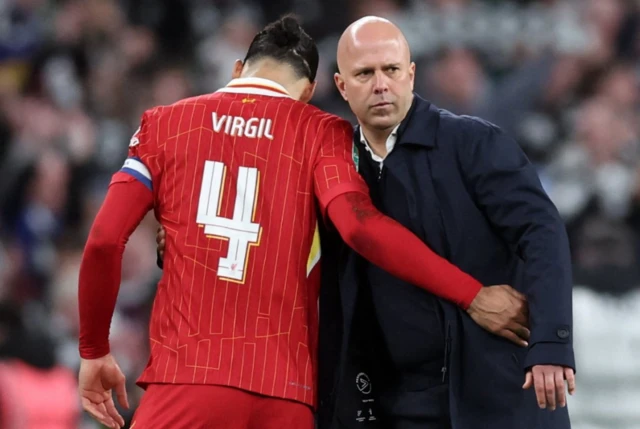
(35, 392)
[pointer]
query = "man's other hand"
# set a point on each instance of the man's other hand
(502, 311)
(160, 235)
(548, 381)
(96, 381)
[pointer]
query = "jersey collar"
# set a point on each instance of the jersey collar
(255, 86)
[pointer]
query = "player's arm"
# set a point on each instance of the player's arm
(129, 198)
(124, 207)
(392, 247)
(126, 204)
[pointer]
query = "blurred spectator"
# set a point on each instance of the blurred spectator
(456, 82)
(593, 181)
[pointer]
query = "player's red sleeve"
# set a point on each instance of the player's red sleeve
(395, 249)
(334, 170)
(127, 202)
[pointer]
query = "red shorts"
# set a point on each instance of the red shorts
(184, 406)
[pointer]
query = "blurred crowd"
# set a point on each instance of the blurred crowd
(561, 76)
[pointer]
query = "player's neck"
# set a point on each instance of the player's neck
(276, 73)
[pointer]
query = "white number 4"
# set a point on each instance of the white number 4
(240, 230)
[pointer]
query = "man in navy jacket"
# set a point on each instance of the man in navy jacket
(399, 357)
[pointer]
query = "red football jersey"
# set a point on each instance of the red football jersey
(235, 176)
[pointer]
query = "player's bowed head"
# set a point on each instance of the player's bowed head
(284, 53)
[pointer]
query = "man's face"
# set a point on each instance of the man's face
(376, 79)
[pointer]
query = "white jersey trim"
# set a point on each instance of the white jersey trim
(255, 86)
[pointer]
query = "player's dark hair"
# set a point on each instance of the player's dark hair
(286, 41)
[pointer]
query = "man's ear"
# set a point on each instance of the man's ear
(412, 74)
(337, 78)
(237, 69)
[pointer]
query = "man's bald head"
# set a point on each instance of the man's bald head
(367, 33)
(375, 74)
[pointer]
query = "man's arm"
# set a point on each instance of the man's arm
(507, 188)
(126, 204)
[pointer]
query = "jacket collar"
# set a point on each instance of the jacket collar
(419, 127)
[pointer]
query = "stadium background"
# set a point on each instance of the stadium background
(561, 76)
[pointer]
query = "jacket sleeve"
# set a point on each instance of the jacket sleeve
(507, 189)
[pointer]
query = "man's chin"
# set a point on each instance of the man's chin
(383, 123)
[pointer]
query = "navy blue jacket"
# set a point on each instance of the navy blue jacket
(469, 185)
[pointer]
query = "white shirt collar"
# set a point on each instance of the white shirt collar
(390, 143)
(255, 86)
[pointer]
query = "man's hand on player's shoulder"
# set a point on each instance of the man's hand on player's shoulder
(97, 379)
(502, 311)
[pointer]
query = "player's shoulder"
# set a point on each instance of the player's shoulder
(190, 102)
(325, 120)
(160, 112)
(153, 113)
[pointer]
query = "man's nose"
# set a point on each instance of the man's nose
(380, 83)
